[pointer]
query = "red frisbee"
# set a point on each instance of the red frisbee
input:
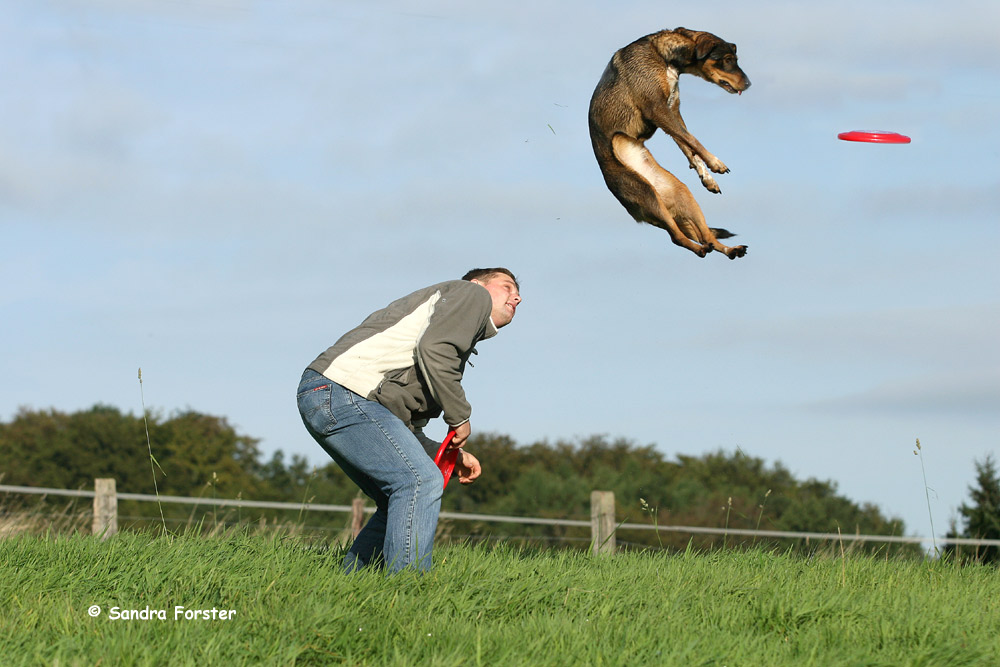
(875, 137)
(445, 459)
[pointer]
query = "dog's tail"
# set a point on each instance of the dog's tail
(722, 233)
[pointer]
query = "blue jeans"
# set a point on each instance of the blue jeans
(387, 461)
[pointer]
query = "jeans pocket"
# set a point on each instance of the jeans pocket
(314, 406)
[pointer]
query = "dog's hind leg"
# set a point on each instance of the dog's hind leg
(652, 192)
(692, 221)
(659, 198)
(698, 229)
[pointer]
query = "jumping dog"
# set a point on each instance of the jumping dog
(637, 94)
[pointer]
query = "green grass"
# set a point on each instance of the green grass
(490, 605)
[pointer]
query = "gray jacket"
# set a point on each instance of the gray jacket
(410, 355)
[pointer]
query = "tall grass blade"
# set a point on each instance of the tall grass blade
(927, 492)
(152, 459)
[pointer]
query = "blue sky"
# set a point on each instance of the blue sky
(215, 191)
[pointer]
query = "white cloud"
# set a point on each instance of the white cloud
(971, 395)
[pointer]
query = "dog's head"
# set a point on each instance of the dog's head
(715, 61)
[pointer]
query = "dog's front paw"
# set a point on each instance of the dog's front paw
(736, 251)
(717, 165)
(711, 185)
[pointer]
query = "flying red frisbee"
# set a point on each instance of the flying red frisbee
(445, 459)
(875, 137)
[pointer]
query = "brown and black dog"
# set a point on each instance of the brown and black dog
(637, 94)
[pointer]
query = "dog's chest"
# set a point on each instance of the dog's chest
(670, 79)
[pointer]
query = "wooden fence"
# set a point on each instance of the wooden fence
(602, 517)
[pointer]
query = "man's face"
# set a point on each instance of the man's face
(503, 290)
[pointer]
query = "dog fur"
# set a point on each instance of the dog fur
(636, 95)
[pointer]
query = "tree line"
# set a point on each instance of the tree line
(194, 454)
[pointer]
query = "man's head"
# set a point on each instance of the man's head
(503, 289)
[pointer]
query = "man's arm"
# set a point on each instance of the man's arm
(458, 320)
(467, 467)
(462, 433)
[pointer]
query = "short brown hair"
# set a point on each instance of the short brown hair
(486, 275)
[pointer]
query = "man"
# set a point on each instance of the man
(367, 397)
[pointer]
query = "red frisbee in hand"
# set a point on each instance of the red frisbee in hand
(875, 137)
(445, 459)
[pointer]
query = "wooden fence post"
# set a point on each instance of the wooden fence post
(105, 508)
(602, 522)
(357, 516)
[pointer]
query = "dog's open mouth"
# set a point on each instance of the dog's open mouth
(728, 87)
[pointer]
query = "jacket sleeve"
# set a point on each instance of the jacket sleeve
(459, 321)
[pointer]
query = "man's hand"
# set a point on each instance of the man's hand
(467, 467)
(462, 433)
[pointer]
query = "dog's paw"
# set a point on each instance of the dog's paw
(736, 251)
(701, 250)
(711, 185)
(717, 165)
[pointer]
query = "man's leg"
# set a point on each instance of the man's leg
(380, 454)
(368, 546)
(366, 550)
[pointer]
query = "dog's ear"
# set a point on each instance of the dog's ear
(704, 44)
(708, 44)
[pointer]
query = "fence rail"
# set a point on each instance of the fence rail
(602, 516)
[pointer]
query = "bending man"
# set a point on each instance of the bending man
(366, 399)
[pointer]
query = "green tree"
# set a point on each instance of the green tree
(981, 517)
(196, 451)
(193, 451)
(203, 455)
(715, 490)
(67, 451)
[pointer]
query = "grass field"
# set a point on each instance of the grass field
(484, 605)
